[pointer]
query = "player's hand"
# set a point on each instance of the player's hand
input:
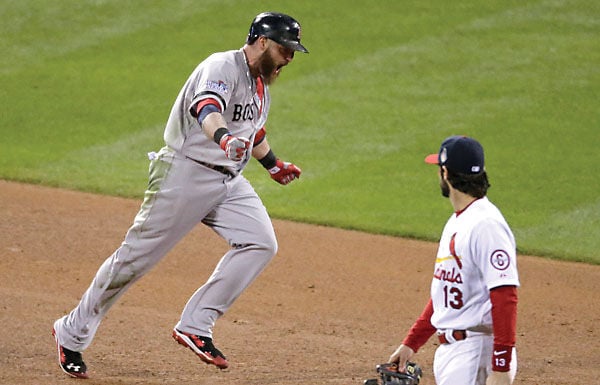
(401, 356)
(235, 147)
(284, 172)
(499, 378)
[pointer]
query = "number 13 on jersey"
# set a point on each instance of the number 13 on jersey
(453, 297)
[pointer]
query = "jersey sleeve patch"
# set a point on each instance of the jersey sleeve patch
(500, 260)
(218, 86)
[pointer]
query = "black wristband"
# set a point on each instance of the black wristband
(219, 133)
(269, 161)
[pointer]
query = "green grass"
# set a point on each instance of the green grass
(86, 87)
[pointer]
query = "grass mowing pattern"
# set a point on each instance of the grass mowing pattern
(87, 87)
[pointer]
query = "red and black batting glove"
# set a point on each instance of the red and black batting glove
(235, 147)
(284, 172)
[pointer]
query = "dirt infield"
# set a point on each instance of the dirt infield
(331, 305)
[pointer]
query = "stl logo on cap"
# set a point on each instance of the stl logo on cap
(443, 155)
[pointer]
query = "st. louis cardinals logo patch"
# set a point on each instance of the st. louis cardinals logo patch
(500, 259)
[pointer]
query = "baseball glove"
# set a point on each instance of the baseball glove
(389, 375)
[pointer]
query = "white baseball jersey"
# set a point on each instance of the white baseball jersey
(477, 252)
(225, 77)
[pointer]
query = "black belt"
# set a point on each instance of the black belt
(221, 169)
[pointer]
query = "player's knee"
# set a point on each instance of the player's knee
(267, 241)
(269, 246)
(272, 246)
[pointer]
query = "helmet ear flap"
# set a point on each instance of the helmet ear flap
(251, 39)
(252, 35)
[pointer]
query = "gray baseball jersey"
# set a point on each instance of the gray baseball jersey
(224, 77)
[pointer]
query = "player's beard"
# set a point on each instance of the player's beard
(268, 68)
(445, 188)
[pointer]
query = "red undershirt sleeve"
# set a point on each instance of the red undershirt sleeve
(421, 330)
(504, 317)
(203, 103)
(260, 136)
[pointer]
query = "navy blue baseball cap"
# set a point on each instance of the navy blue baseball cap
(459, 154)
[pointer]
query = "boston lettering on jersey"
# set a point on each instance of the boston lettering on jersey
(246, 112)
(243, 112)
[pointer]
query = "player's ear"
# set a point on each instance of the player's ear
(263, 42)
(443, 172)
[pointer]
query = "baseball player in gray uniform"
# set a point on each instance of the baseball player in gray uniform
(216, 124)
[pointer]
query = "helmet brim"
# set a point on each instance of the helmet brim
(295, 45)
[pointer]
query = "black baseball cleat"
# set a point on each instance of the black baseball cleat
(70, 362)
(203, 347)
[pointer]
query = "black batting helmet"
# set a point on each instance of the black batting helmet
(278, 27)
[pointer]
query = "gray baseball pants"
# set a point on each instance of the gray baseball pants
(181, 193)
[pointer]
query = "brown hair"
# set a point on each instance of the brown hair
(476, 185)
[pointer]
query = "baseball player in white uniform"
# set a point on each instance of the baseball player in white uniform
(216, 124)
(473, 305)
